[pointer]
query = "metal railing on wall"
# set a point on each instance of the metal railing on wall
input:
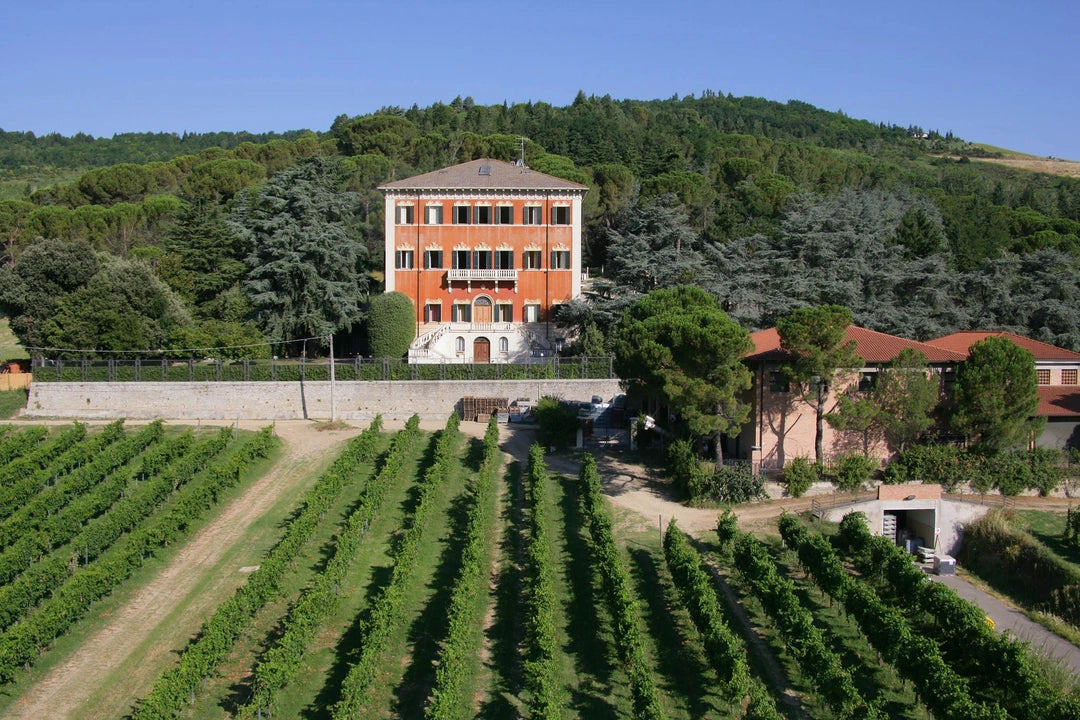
(164, 369)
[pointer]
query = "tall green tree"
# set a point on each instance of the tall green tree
(907, 394)
(307, 274)
(898, 406)
(124, 306)
(997, 396)
(45, 273)
(678, 346)
(818, 353)
(208, 250)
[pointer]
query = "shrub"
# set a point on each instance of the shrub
(728, 484)
(799, 475)
(558, 422)
(850, 472)
(391, 325)
(1008, 472)
(687, 470)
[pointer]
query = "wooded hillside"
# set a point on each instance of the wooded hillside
(766, 205)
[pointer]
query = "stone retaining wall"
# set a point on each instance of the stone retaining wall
(289, 400)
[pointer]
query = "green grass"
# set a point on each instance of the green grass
(11, 402)
(10, 349)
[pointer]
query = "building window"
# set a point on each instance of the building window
(866, 382)
(532, 215)
(504, 215)
(778, 383)
(482, 260)
(560, 259)
(433, 312)
(404, 260)
(459, 345)
(560, 215)
(433, 215)
(433, 259)
(482, 214)
(532, 260)
(504, 346)
(461, 259)
(404, 214)
(532, 312)
(1044, 376)
(461, 214)
(1068, 377)
(504, 259)
(504, 312)
(462, 312)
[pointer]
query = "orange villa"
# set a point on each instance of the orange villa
(486, 250)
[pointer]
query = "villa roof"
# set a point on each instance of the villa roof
(872, 346)
(1059, 400)
(961, 341)
(484, 174)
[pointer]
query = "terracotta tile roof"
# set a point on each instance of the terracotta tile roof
(873, 347)
(499, 176)
(1059, 400)
(962, 341)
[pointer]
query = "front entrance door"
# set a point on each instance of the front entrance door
(482, 310)
(481, 350)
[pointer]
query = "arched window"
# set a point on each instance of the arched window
(504, 345)
(459, 344)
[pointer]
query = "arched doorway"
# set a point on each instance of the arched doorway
(482, 309)
(481, 350)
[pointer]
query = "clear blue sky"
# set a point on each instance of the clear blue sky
(1004, 73)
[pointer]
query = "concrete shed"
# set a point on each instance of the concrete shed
(913, 515)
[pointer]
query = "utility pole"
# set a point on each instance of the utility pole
(333, 405)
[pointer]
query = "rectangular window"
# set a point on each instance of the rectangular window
(461, 214)
(482, 214)
(532, 260)
(560, 259)
(560, 215)
(461, 259)
(432, 312)
(1044, 376)
(404, 214)
(433, 215)
(778, 383)
(482, 260)
(504, 259)
(461, 312)
(1068, 377)
(532, 215)
(504, 312)
(504, 215)
(404, 260)
(433, 259)
(532, 312)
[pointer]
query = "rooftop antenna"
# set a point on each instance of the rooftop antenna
(521, 160)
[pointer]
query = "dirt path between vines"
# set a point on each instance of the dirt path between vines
(636, 488)
(148, 623)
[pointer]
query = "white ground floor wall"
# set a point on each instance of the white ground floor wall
(943, 518)
(290, 400)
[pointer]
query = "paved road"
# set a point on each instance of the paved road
(1006, 617)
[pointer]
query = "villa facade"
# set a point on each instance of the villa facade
(486, 250)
